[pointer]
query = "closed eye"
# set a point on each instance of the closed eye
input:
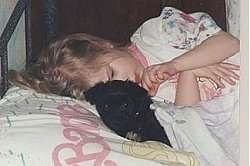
(110, 73)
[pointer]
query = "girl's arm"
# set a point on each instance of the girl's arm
(213, 50)
(217, 73)
(187, 91)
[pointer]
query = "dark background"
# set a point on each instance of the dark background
(111, 19)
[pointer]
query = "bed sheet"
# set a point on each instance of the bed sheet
(210, 129)
(46, 130)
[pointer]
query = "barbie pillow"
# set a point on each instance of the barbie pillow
(48, 130)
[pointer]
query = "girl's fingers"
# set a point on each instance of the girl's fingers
(216, 80)
(162, 76)
(213, 76)
(226, 78)
(229, 73)
(155, 77)
(230, 66)
(148, 85)
(144, 85)
(225, 75)
(151, 89)
(151, 74)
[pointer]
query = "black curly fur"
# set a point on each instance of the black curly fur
(124, 107)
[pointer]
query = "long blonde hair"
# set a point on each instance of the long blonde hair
(59, 67)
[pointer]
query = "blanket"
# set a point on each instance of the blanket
(210, 129)
(38, 129)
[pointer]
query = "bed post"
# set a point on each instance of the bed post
(4, 40)
(28, 36)
(50, 20)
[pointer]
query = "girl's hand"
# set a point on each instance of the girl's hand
(219, 72)
(154, 75)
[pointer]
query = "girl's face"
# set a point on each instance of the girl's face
(125, 67)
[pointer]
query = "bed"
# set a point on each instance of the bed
(45, 130)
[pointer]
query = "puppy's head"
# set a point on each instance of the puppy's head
(120, 103)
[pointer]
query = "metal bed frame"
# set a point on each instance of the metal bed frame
(21, 6)
(50, 27)
(50, 21)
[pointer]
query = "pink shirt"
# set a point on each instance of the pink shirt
(133, 50)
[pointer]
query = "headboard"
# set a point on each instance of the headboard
(39, 33)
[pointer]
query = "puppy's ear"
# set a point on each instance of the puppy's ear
(94, 94)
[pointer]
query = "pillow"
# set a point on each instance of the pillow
(44, 130)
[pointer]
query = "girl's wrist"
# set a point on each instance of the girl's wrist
(174, 67)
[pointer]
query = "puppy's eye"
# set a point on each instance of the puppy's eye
(124, 106)
(137, 114)
(106, 107)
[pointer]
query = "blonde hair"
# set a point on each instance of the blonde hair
(60, 67)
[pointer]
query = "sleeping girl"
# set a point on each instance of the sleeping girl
(179, 51)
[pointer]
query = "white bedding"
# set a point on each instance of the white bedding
(46, 130)
(210, 129)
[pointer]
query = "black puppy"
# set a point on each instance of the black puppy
(124, 107)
